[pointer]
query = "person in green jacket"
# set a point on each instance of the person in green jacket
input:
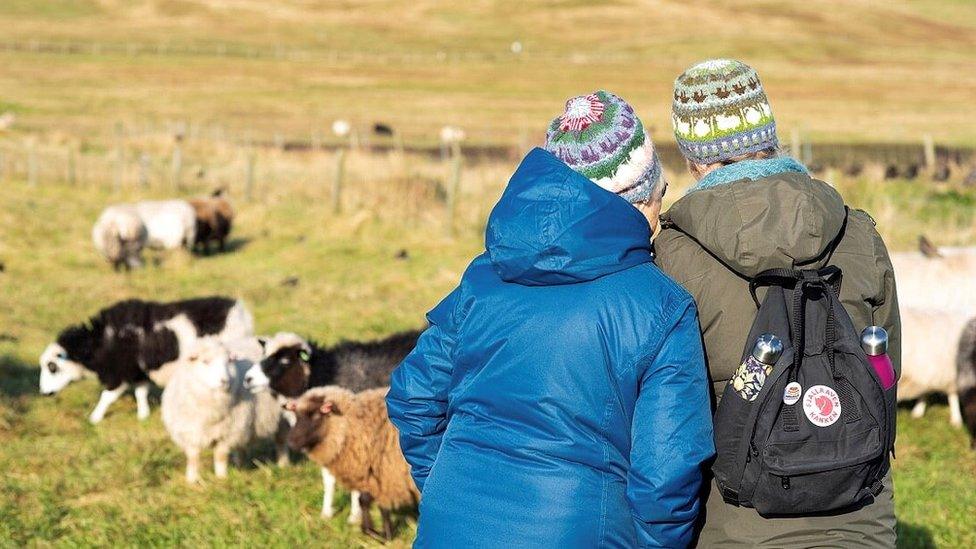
(752, 210)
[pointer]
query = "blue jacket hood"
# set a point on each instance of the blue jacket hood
(552, 226)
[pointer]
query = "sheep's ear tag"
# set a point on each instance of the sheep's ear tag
(304, 355)
(327, 408)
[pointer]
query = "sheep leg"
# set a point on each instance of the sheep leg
(955, 412)
(281, 445)
(919, 409)
(221, 456)
(355, 508)
(328, 493)
(142, 401)
(109, 396)
(192, 465)
(366, 524)
(387, 524)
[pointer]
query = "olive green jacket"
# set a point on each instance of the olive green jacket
(712, 242)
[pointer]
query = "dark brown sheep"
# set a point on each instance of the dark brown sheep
(214, 218)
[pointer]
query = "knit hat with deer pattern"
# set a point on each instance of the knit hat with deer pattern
(721, 111)
(600, 137)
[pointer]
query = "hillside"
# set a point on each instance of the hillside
(837, 70)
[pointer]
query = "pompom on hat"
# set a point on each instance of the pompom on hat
(720, 111)
(600, 137)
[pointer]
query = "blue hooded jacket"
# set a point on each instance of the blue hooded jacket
(559, 397)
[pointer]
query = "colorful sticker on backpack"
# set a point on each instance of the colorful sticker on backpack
(821, 405)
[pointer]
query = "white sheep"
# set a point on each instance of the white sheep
(944, 281)
(171, 223)
(205, 405)
(930, 347)
(120, 235)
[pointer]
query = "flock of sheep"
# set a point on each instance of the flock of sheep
(124, 230)
(225, 388)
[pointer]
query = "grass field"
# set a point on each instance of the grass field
(71, 484)
(836, 70)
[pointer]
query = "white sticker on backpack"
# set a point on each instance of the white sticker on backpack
(821, 405)
(791, 395)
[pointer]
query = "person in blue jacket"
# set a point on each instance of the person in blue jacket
(559, 396)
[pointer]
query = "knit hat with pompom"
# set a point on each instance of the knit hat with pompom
(600, 137)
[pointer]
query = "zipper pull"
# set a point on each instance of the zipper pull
(786, 483)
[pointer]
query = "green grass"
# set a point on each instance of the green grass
(67, 483)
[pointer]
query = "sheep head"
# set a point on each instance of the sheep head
(321, 422)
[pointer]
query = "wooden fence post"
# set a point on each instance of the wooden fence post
(72, 167)
(340, 172)
(145, 161)
(795, 144)
(32, 167)
(454, 186)
(119, 170)
(249, 176)
(928, 145)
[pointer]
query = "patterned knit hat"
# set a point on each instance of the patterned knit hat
(721, 111)
(600, 137)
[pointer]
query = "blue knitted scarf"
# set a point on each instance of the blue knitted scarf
(749, 169)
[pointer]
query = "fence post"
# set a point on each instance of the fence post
(144, 163)
(32, 167)
(72, 168)
(929, 148)
(454, 186)
(176, 162)
(249, 176)
(119, 157)
(340, 172)
(795, 144)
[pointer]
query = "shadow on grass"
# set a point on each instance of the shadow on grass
(232, 245)
(911, 536)
(16, 378)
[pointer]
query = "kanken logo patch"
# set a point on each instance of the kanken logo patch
(821, 405)
(791, 395)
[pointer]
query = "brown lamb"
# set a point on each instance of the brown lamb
(214, 218)
(350, 434)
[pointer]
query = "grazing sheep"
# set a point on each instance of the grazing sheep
(214, 216)
(942, 279)
(171, 223)
(292, 365)
(119, 235)
(930, 349)
(205, 405)
(350, 434)
(966, 378)
(133, 342)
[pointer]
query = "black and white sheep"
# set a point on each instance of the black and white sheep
(133, 342)
(120, 235)
(292, 365)
(206, 406)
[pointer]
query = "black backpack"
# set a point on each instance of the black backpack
(826, 446)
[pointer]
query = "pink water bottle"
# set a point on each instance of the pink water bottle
(874, 341)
